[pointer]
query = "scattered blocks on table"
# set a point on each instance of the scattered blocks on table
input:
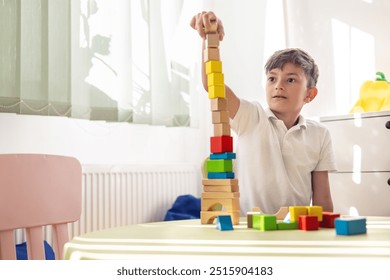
(307, 222)
(282, 213)
(315, 211)
(328, 219)
(218, 104)
(296, 211)
(213, 66)
(221, 144)
(350, 226)
(264, 222)
(281, 225)
(224, 222)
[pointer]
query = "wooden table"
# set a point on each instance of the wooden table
(188, 238)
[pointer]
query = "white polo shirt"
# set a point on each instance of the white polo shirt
(273, 164)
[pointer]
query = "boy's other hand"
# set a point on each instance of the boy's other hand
(203, 21)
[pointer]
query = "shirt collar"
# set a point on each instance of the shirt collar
(271, 115)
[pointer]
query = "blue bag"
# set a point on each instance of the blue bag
(185, 207)
(21, 251)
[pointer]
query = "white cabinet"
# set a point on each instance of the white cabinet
(362, 148)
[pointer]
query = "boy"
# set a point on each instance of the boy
(282, 158)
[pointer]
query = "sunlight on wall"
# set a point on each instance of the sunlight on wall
(354, 62)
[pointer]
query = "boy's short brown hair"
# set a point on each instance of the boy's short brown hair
(297, 57)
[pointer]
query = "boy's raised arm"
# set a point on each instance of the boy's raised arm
(202, 22)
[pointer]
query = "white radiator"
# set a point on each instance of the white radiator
(129, 194)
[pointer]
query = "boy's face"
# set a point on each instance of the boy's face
(287, 90)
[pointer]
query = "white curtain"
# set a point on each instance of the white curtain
(101, 60)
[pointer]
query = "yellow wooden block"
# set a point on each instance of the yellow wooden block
(211, 54)
(296, 211)
(216, 91)
(213, 66)
(220, 182)
(215, 79)
(218, 104)
(222, 129)
(315, 211)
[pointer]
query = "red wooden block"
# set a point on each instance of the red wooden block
(328, 219)
(308, 222)
(221, 144)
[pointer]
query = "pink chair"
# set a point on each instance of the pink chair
(37, 190)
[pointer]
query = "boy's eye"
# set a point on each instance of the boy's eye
(291, 80)
(271, 79)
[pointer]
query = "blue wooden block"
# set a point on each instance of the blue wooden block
(226, 155)
(350, 226)
(224, 222)
(220, 175)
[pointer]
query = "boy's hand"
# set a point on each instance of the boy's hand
(203, 21)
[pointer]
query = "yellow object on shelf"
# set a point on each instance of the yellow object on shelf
(374, 96)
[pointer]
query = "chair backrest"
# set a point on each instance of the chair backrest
(38, 190)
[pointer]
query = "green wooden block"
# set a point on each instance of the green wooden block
(264, 222)
(287, 226)
(219, 165)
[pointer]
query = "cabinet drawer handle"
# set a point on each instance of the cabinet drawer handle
(387, 124)
(388, 181)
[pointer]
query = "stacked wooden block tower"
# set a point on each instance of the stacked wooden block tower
(220, 190)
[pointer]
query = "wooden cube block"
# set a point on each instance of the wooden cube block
(328, 219)
(212, 40)
(296, 211)
(219, 165)
(315, 211)
(220, 175)
(287, 226)
(223, 156)
(222, 182)
(218, 104)
(221, 188)
(224, 222)
(221, 129)
(350, 226)
(216, 92)
(211, 54)
(212, 28)
(219, 117)
(221, 144)
(307, 222)
(215, 79)
(249, 218)
(213, 66)
(264, 222)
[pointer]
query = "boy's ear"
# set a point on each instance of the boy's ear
(311, 94)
